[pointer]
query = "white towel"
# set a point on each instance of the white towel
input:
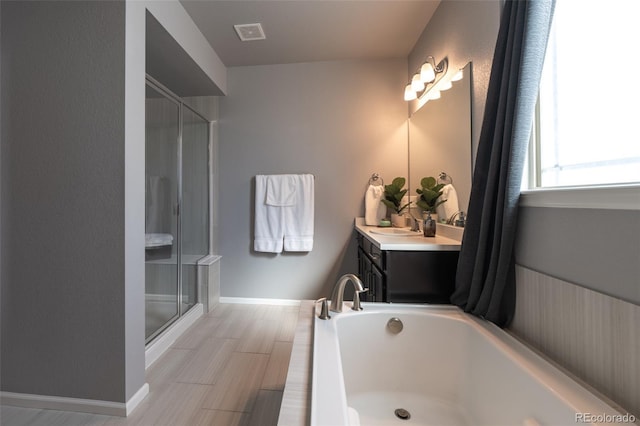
(157, 240)
(450, 207)
(298, 219)
(374, 210)
(268, 222)
(281, 190)
(283, 225)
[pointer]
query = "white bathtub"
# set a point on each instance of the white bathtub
(444, 368)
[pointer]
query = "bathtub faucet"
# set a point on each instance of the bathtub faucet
(337, 295)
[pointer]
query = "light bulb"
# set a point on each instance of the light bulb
(417, 84)
(458, 76)
(427, 73)
(434, 94)
(409, 93)
(445, 85)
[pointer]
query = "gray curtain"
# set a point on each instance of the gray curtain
(485, 279)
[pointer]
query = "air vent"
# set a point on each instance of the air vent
(250, 32)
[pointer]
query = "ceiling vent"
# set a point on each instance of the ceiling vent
(250, 32)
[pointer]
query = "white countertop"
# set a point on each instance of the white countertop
(450, 242)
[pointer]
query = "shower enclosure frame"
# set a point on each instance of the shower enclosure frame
(169, 95)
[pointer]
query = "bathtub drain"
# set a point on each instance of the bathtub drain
(403, 414)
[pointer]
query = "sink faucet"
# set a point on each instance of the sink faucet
(415, 224)
(337, 295)
(457, 222)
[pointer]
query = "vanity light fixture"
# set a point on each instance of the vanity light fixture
(433, 94)
(427, 76)
(445, 84)
(458, 76)
(427, 72)
(417, 85)
(409, 93)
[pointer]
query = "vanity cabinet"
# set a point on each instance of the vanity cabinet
(402, 276)
(370, 272)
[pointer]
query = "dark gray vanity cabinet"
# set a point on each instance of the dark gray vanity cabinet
(406, 276)
(371, 274)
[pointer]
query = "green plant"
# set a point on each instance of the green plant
(393, 195)
(429, 194)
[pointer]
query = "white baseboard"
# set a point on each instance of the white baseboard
(61, 403)
(157, 347)
(136, 399)
(260, 301)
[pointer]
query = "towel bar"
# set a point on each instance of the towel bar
(445, 178)
(373, 180)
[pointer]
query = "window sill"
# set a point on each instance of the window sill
(615, 197)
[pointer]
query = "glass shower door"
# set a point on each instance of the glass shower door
(161, 213)
(195, 202)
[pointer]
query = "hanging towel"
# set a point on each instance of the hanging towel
(289, 223)
(449, 207)
(281, 190)
(299, 218)
(374, 210)
(268, 222)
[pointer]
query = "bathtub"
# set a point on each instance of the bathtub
(444, 368)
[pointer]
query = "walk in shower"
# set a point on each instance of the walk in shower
(177, 206)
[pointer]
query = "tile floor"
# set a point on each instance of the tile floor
(228, 369)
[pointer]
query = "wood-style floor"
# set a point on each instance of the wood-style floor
(228, 369)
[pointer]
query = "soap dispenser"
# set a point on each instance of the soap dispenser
(460, 221)
(428, 225)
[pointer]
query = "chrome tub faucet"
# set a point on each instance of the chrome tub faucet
(337, 295)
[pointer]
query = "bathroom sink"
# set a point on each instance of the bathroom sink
(395, 232)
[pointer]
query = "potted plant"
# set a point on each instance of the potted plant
(393, 195)
(428, 200)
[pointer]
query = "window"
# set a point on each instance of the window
(587, 129)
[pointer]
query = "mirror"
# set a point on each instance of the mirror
(440, 141)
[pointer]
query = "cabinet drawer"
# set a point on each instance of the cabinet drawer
(372, 278)
(374, 253)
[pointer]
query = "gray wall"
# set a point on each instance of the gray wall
(73, 192)
(595, 248)
(341, 121)
(63, 259)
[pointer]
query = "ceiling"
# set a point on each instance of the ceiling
(312, 30)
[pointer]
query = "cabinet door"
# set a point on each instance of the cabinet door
(372, 278)
(362, 265)
(377, 285)
(421, 277)
(364, 273)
